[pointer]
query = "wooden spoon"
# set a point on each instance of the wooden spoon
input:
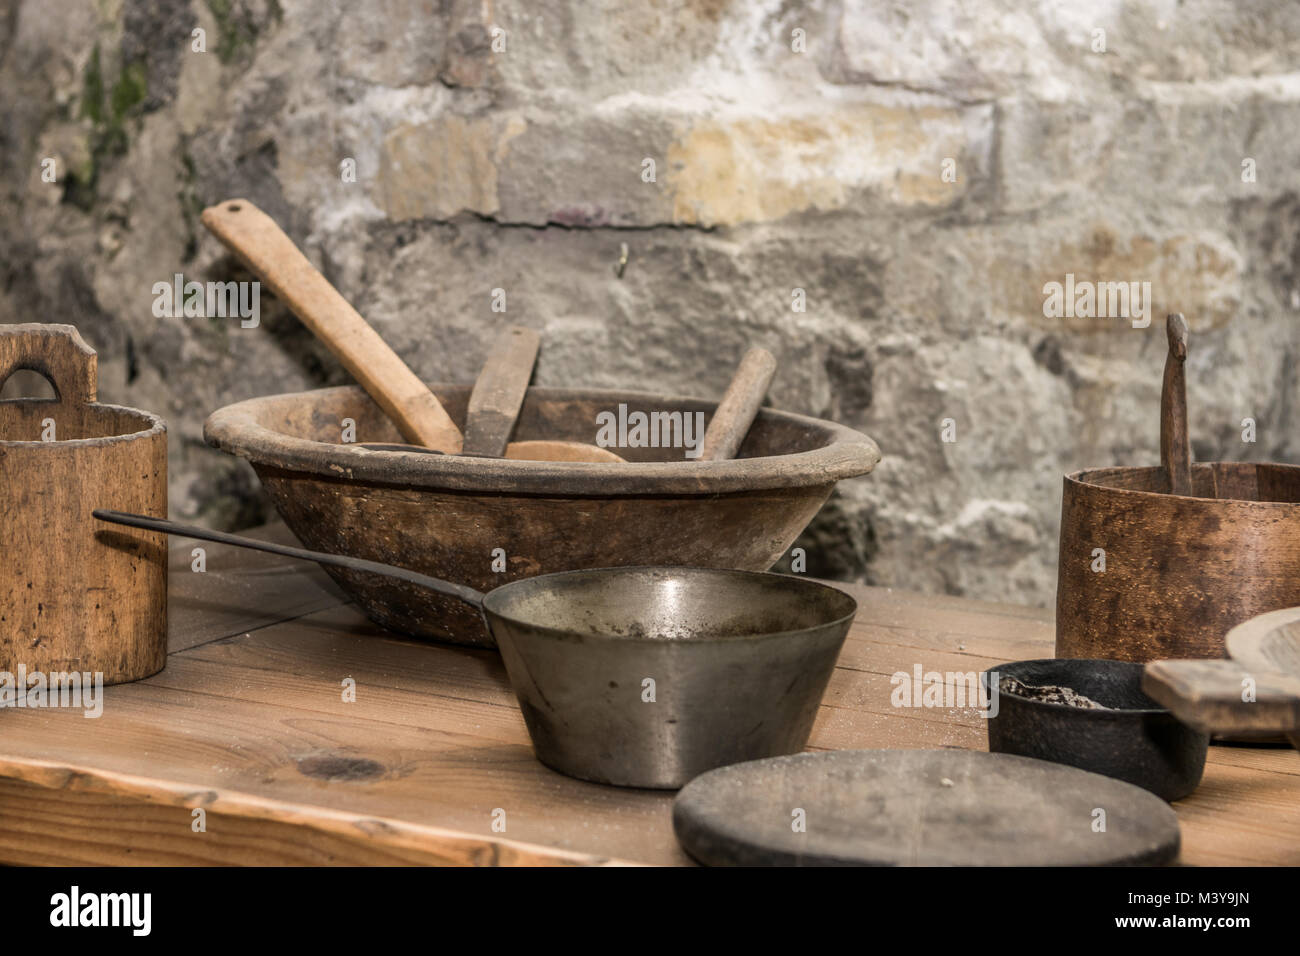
(1175, 450)
(272, 256)
(735, 413)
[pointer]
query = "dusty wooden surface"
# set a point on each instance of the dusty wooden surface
(919, 808)
(248, 723)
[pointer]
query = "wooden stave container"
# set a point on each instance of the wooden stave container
(1240, 558)
(75, 594)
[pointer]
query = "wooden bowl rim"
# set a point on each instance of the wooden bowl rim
(848, 453)
(1240, 641)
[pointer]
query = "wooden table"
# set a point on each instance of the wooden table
(249, 724)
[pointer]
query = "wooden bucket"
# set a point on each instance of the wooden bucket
(78, 595)
(1189, 551)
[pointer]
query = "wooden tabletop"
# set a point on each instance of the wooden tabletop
(248, 723)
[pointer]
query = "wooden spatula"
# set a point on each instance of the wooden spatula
(494, 408)
(497, 397)
(272, 256)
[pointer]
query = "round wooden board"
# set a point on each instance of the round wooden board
(919, 808)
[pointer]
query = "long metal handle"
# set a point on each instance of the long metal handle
(459, 591)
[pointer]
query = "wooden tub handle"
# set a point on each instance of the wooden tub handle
(1175, 448)
(269, 254)
(56, 351)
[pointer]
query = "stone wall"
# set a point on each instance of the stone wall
(921, 170)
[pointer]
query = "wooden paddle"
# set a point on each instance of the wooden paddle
(497, 395)
(1256, 692)
(272, 256)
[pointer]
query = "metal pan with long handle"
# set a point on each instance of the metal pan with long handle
(641, 677)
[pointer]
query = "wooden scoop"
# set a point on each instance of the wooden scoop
(1257, 692)
(1175, 448)
(272, 256)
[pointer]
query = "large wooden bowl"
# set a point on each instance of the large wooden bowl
(1180, 570)
(448, 515)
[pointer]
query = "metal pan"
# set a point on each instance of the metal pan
(1123, 733)
(641, 677)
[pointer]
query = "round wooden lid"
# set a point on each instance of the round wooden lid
(919, 808)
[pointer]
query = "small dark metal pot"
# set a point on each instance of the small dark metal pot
(1133, 739)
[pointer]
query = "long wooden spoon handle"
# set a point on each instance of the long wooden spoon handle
(1175, 450)
(272, 256)
(735, 413)
(499, 392)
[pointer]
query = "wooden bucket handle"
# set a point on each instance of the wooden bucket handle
(56, 351)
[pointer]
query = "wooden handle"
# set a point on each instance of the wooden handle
(735, 413)
(499, 392)
(56, 351)
(271, 255)
(1175, 451)
(1216, 696)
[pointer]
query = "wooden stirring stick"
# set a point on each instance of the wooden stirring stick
(1175, 450)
